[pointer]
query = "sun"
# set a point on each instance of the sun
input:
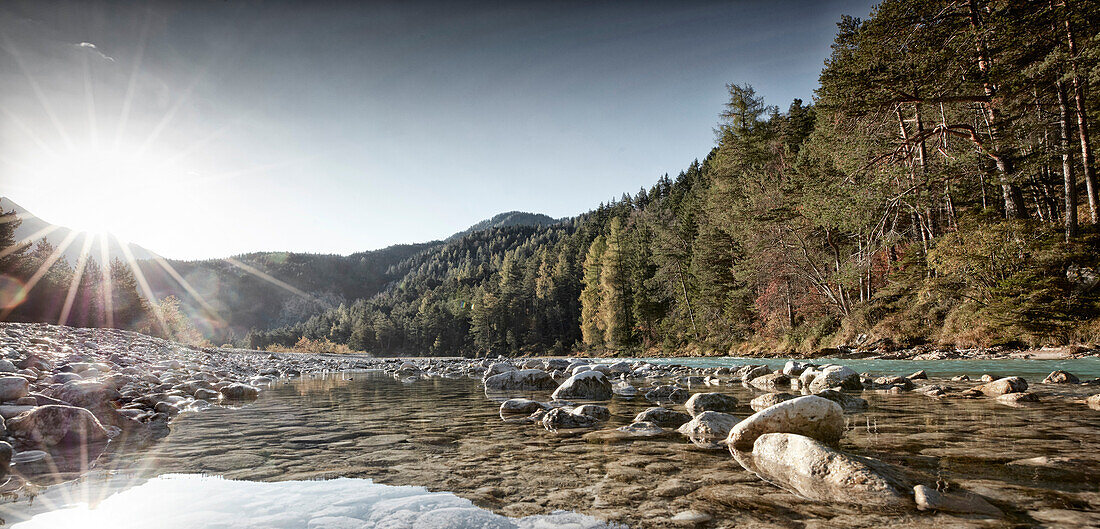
(97, 189)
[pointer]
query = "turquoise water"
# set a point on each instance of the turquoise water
(1031, 370)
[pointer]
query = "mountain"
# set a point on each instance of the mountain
(511, 218)
(34, 228)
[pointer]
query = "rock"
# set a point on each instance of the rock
(929, 499)
(1093, 401)
(672, 394)
(815, 471)
(53, 425)
(919, 375)
(663, 417)
(12, 388)
(847, 402)
(771, 381)
(625, 390)
(812, 416)
(1017, 399)
(700, 402)
(960, 378)
(674, 488)
(513, 407)
(691, 518)
(1061, 377)
(1063, 469)
(6, 451)
(768, 400)
(619, 368)
(238, 391)
(1001, 386)
(206, 394)
(97, 397)
(521, 380)
(587, 385)
(600, 413)
(709, 429)
(794, 368)
(987, 378)
(750, 372)
(495, 369)
(836, 376)
(898, 382)
(7, 367)
(559, 418)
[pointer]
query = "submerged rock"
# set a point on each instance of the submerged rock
(559, 418)
(586, 385)
(54, 425)
(600, 413)
(815, 471)
(701, 402)
(513, 409)
(812, 416)
(953, 502)
(1017, 399)
(671, 394)
(663, 417)
(847, 402)
(709, 429)
(1061, 377)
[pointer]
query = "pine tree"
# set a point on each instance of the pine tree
(592, 325)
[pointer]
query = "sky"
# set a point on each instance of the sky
(207, 129)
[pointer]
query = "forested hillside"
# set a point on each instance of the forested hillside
(941, 189)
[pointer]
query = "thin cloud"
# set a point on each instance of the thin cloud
(90, 46)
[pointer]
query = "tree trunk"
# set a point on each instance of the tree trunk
(1014, 200)
(1067, 164)
(1079, 87)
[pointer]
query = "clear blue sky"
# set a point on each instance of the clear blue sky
(204, 129)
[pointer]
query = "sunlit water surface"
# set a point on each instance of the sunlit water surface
(446, 435)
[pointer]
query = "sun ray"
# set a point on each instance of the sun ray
(144, 286)
(256, 272)
(108, 284)
(7, 45)
(124, 114)
(78, 274)
(28, 240)
(14, 120)
(89, 103)
(43, 269)
(188, 288)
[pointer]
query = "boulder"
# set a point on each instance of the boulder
(919, 375)
(961, 502)
(587, 385)
(663, 417)
(1061, 377)
(672, 394)
(6, 451)
(709, 429)
(701, 402)
(53, 425)
(835, 376)
(812, 416)
(96, 397)
(750, 372)
(523, 407)
(1001, 386)
(625, 390)
(794, 368)
(559, 418)
(771, 381)
(1093, 401)
(600, 413)
(892, 382)
(520, 380)
(768, 400)
(238, 391)
(815, 471)
(12, 388)
(1017, 399)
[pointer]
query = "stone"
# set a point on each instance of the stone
(1093, 401)
(929, 499)
(53, 425)
(587, 385)
(817, 472)
(12, 388)
(513, 407)
(836, 376)
(750, 372)
(1017, 399)
(206, 394)
(768, 400)
(559, 418)
(663, 417)
(1001, 386)
(898, 382)
(625, 390)
(919, 375)
(1061, 377)
(691, 518)
(238, 391)
(496, 369)
(709, 429)
(600, 413)
(6, 451)
(671, 394)
(794, 368)
(700, 402)
(520, 380)
(811, 416)
(771, 381)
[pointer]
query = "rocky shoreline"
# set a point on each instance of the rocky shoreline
(69, 395)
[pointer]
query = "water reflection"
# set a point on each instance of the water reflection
(196, 501)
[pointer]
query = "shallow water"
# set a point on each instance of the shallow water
(446, 435)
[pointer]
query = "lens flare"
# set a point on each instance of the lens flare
(12, 293)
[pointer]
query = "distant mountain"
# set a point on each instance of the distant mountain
(34, 228)
(508, 219)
